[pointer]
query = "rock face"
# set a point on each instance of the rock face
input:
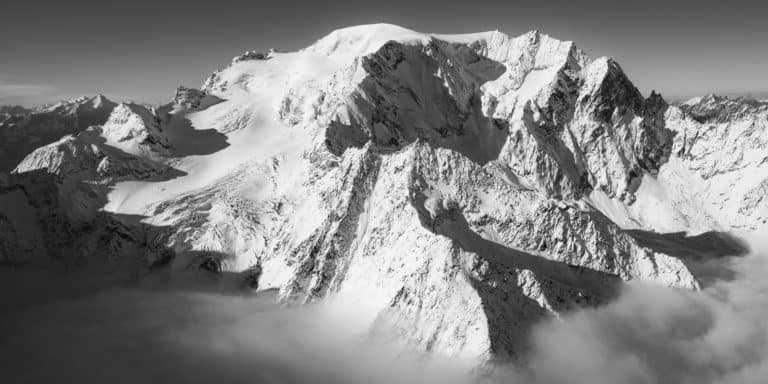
(134, 129)
(716, 173)
(189, 98)
(722, 143)
(455, 188)
(251, 55)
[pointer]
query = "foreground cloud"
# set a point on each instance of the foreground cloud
(142, 336)
(657, 335)
(648, 335)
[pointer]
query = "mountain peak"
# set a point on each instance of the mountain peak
(363, 39)
(99, 99)
(533, 35)
(605, 76)
(100, 102)
(712, 107)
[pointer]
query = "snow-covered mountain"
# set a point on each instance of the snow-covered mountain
(23, 130)
(455, 188)
(716, 176)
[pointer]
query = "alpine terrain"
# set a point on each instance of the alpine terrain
(456, 189)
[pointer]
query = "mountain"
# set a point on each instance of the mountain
(23, 130)
(455, 188)
(716, 176)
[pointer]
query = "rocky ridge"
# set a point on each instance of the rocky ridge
(23, 130)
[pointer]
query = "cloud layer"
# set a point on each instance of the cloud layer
(657, 335)
(142, 336)
(26, 94)
(648, 335)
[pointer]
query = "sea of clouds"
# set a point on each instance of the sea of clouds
(648, 335)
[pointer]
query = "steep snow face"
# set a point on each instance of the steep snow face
(443, 184)
(134, 129)
(23, 130)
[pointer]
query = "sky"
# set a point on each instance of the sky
(142, 50)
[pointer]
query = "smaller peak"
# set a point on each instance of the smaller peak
(130, 107)
(252, 55)
(538, 35)
(607, 61)
(708, 99)
(75, 100)
(14, 109)
(535, 33)
(188, 97)
(134, 129)
(605, 66)
(100, 100)
(599, 67)
(531, 37)
(605, 80)
(548, 43)
(656, 99)
(83, 100)
(602, 61)
(730, 101)
(693, 100)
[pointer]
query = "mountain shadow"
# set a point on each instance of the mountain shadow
(706, 254)
(187, 140)
(402, 99)
(60, 244)
(565, 287)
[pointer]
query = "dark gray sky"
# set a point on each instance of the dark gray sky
(143, 49)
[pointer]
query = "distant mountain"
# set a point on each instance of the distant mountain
(22, 130)
(456, 188)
